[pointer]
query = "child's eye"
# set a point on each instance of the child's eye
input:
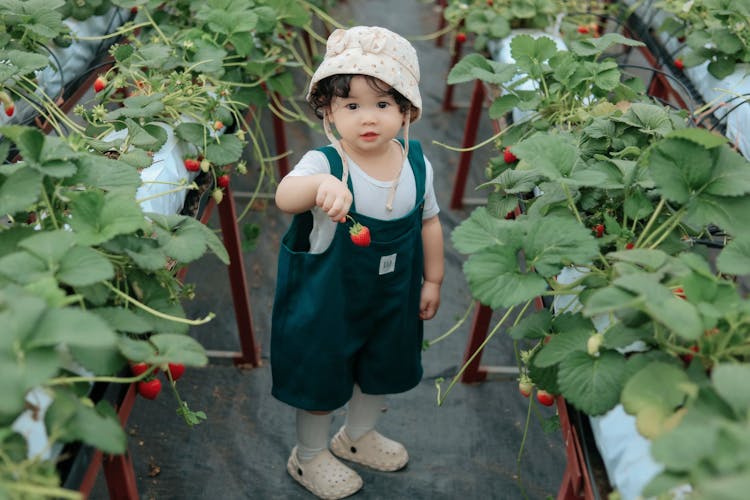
(383, 104)
(352, 106)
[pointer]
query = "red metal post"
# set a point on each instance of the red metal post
(240, 296)
(470, 137)
(279, 133)
(448, 95)
(479, 326)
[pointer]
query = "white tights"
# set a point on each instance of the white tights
(313, 430)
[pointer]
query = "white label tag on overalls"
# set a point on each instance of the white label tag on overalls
(387, 264)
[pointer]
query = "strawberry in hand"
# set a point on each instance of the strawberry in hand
(360, 235)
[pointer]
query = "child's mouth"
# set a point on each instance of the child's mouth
(369, 136)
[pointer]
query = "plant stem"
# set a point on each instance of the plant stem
(156, 313)
(523, 443)
(651, 221)
(475, 354)
(453, 328)
(46, 491)
(665, 229)
(571, 203)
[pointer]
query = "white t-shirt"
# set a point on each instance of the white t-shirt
(370, 195)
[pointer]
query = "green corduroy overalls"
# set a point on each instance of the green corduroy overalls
(350, 314)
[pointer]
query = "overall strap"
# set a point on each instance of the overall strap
(415, 157)
(416, 160)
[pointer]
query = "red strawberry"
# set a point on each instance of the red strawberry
(360, 235)
(149, 389)
(461, 37)
(176, 370)
(10, 109)
(545, 397)
(192, 165)
(629, 245)
(223, 181)
(100, 83)
(679, 64)
(218, 125)
(508, 156)
(599, 230)
(510, 215)
(490, 2)
(680, 293)
(687, 358)
(583, 29)
(139, 369)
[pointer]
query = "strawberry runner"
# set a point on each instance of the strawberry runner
(362, 323)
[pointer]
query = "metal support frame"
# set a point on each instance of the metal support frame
(118, 469)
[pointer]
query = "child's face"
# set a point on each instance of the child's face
(367, 120)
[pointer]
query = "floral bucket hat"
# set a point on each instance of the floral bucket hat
(373, 51)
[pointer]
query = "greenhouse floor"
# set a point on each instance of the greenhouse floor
(466, 448)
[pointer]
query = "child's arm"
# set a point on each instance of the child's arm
(434, 267)
(297, 194)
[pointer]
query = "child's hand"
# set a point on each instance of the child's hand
(334, 198)
(429, 300)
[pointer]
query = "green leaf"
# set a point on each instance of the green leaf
(592, 383)
(109, 175)
(594, 46)
(647, 258)
(193, 133)
(680, 168)
(228, 149)
(49, 246)
(22, 267)
(496, 280)
(653, 394)
(74, 327)
(137, 158)
(82, 266)
(561, 346)
(19, 376)
(529, 53)
(122, 320)
(730, 381)
(186, 239)
(534, 326)
(97, 217)
(20, 190)
(503, 105)
(554, 242)
(165, 348)
(481, 230)
(477, 67)
(735, 257)
(686, 446)
(74, 421)
(554, 156)
(701, 136)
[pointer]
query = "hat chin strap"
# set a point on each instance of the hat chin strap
(345, 165)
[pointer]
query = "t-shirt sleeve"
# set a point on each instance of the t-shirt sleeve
(313, 162)
(431, 207)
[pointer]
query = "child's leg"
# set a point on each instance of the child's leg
(358, 440)
(363, 413)
(312, 464)
(312, 434)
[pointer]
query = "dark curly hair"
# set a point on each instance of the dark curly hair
(339, 86)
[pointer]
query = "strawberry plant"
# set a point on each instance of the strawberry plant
(617, 196)
(715, 31)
